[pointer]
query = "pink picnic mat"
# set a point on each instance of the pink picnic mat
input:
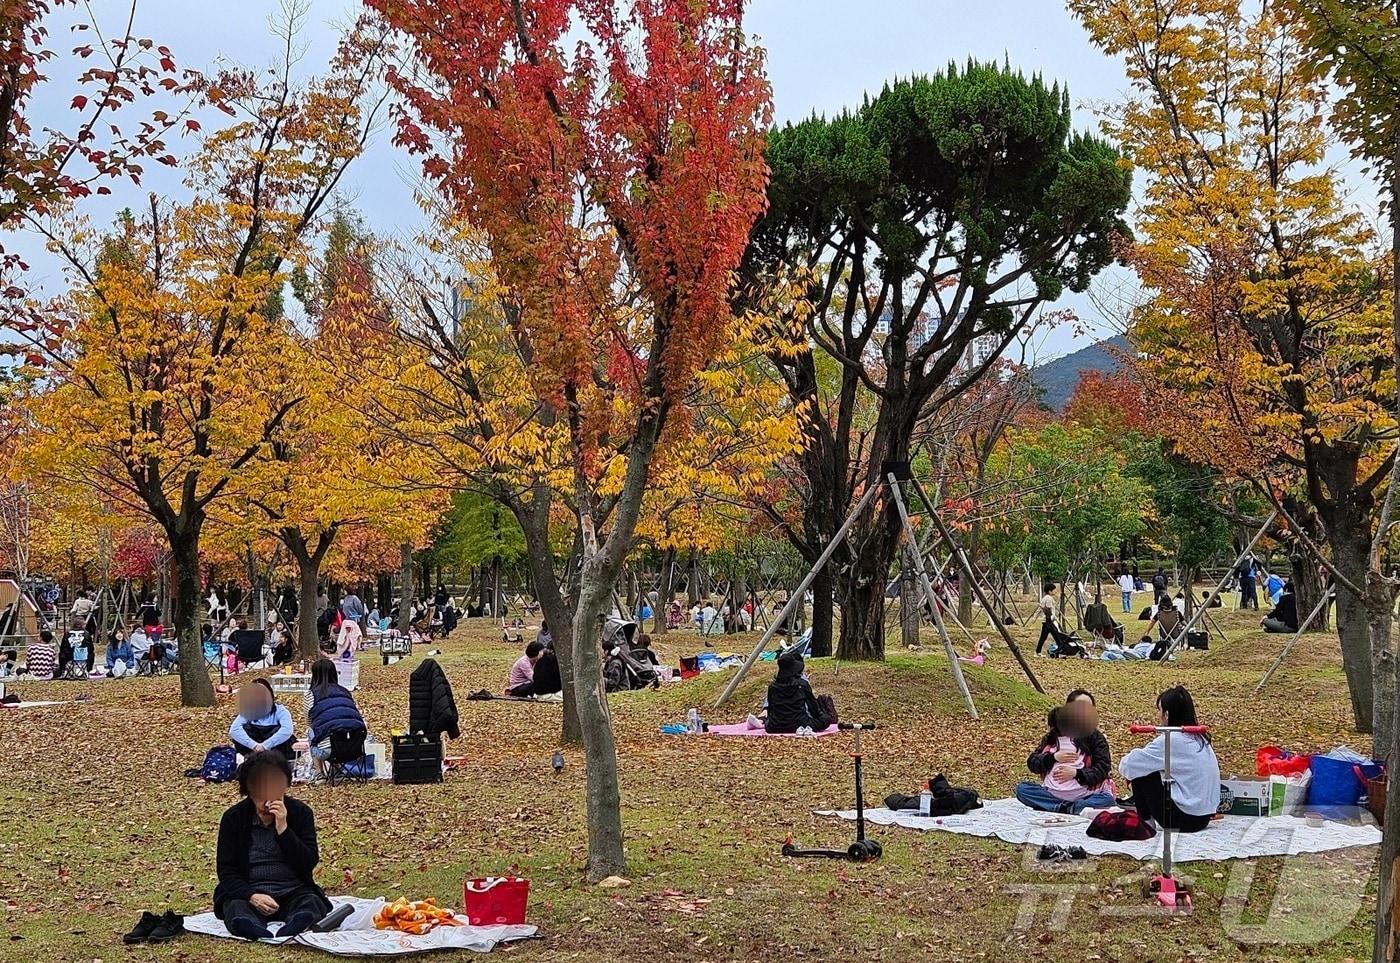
(742, 729)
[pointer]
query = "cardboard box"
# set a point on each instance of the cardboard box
(1272, 796)
(1246, 797)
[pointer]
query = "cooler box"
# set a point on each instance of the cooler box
(417, 760)
(348, 674)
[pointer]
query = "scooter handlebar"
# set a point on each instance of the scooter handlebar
(862, 726)
(1193, 730)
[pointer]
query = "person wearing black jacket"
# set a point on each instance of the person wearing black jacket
(266, 855)
(791, 703)
(1072, 761)
(1284, 615)
(431, 708)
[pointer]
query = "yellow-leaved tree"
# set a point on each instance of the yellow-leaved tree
(175, 324)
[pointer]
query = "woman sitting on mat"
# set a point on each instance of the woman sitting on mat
(791, 703)
(1195, 770)
(1072, 760)
(266, 855)
(262, 723)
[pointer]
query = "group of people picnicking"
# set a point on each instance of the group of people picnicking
(265, 725)
(1072, 766)
(1166, 613)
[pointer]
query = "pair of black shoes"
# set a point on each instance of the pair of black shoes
(1050, 853)
(156, 929)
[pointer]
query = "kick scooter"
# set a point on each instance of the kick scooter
(1166, 888)
(862, 850)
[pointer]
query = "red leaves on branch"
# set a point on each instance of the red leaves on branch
(615, 176)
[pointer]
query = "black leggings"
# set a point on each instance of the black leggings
(1047, 631)
(1150, 797)
(300, 901)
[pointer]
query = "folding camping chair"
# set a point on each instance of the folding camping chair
(347, 750)
(249, 644)
(77, 650)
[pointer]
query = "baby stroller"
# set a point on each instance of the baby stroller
(623, 671)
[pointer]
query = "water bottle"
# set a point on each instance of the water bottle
(925, 802)
(692, 720)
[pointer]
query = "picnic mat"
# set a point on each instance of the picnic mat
(34, 705)
(1233, 837)
(742, 729)
(358, 937)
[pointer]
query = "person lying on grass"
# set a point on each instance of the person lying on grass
(261, 723)
(1072, 761)
(266, 855)
(792, 705)
(1195, 770)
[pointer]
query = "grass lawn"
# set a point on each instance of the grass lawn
(100, 822)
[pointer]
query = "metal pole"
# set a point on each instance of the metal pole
(1180, 639)
(967, 570)
(927, 586)
(1317, 609)
(791, 603)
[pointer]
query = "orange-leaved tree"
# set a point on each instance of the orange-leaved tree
(175, 321)
(1265, 338)
(612, 156)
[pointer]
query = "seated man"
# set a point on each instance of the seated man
(262, 723)
(266, 855)
(791, 703)
(1284, 615)
(522, 672)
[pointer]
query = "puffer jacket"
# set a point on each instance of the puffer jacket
(791, 702)
(333, 710)
(431, 708)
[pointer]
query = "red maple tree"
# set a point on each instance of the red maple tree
(611, 154)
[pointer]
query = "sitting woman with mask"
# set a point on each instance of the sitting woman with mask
(262, 723)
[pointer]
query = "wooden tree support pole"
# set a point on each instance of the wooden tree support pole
(1317, 610)
(792, 601)
(1180, 640)
(966, 567)
(932, 599)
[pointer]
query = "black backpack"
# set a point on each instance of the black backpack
(948, 800)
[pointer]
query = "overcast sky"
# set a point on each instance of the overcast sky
(822, 55)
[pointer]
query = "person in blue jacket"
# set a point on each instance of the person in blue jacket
(262, 723)
(332, 710)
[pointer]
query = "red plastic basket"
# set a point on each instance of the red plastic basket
(495, 900)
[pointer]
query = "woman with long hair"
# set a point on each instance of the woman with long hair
(1195, 774)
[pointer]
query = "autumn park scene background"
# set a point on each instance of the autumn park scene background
(588, 319)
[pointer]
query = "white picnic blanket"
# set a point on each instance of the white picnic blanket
(358, 937)
(1233, 837)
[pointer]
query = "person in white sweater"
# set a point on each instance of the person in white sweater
(1195, 794)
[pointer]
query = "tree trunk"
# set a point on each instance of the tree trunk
(1307, 587)
(910, 611)
(406, 586)
(692, 581)
(384, 594)
(739, 594)
(308, 577)
(554, 605)
(1349, 554)
(666, 590)
(823, 612)
(863, 613)
(195, 687)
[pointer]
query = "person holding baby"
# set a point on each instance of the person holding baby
(1072, 761)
